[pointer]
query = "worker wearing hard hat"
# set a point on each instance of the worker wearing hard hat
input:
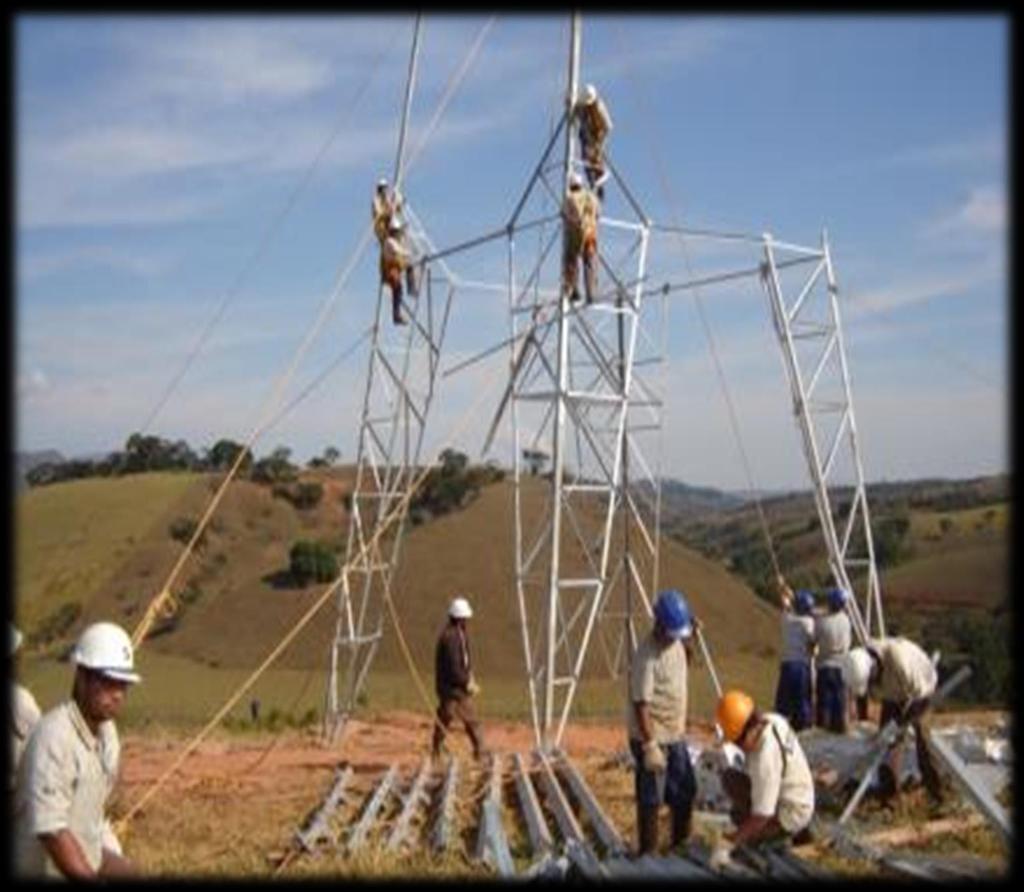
(24, 710)
(386, 205)
(901, 675)
(70, 766)
(454, 680)
(794, 690)
(773, 796)
(594, 126)
(656, 723)
(832, 635)
(396, 259)
(580, 211)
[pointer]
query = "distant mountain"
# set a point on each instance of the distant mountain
(682, 501)
(26, 461)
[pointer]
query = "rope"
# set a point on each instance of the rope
(698, 301)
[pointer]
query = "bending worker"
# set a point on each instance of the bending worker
(832, 633)
(794, 690)
(24, 711)
(773, 796)
(385, 207)
(901, 675)
(594, 126)
(70, 767)
(454, 681)
(656, 722)
(396, 259)
(580, 211)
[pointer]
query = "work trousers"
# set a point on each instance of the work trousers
(587, 246)
(793, 694)
(457, 708)
(676, 787)
(831, 705)
(929, 775)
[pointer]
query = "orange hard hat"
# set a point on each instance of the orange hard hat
(734, 711)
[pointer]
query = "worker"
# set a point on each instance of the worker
(580, 210)
(454, 680)
(902, 676)
(656, 723)
(70, 766)
(794, 691)
(773, 795)
(594, 126)
(832, 636)
(385, 207)
(396, 259)
(24, 709)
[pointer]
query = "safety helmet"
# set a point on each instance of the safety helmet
(395, 225)
(734, 711)
(855, 667)
(673, 614)
(15, 639)
(460, 609)
(804, 602)
(837, 598)
(382, 183)
(589, 94)
(575, 181)
(107, 649)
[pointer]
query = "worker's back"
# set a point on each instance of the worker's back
(797, 636)
(833, 635)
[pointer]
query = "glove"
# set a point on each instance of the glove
(472, 687)
(654, 758)
(721, 857)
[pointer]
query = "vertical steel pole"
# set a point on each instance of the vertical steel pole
(410, 80)
(558, 434)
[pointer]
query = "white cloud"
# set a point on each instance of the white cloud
(43, 263)
(987, 148)
(982, 212)
(33, 384)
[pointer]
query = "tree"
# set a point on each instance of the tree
(224, 454)
(331, 454)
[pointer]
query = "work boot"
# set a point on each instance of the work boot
(647, 830)
(682, 824)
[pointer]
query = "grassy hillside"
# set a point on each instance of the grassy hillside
(237, 604)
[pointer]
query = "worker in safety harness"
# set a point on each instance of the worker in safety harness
(70, 766)
(454, 680)
(594, 125)
(773, 796)
(386, 206)
(395, 259)
(832, 635)
(580, 211)
(794, 690)
(901, 675)
(24, 710)
(656, 723)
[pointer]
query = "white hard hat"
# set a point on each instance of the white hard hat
(107, 649)
(382, 183)
(856, 670)
(460, 609)
(15, 639)
(590, 94)
(395, 225)
(575, 181)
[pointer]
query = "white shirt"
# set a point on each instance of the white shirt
(907, 671)
(833, 634)
(780, 778)
(797, 636)
(659, 680)
(24, 715)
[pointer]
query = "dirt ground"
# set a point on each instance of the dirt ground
(234, 805)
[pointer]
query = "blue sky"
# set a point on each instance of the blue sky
(165, 162)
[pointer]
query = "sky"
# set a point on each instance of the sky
(191, 190)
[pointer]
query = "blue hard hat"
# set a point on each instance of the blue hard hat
(673, 613)
(837, 598)
(804, 601)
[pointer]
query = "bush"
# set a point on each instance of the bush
(184, 528)
(312, 562)
(302, 496)
(56, 624)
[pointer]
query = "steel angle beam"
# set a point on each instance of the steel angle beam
(443, 828)
(491, 843)
(413, 800)
(576, 845)
(982, 798)
(603, 827)
(540, 836)
(316, 831)
(357, 838)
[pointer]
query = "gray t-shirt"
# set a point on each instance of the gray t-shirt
(833, 635)
(797, 636)
(659, 680)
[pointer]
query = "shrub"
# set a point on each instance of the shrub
(312, 562)
(184, 528)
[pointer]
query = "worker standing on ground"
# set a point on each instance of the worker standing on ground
(773, 796)
(454, 680)
(580, 211)
(832, 635)
(901, 675)
(70, 766)
(794, 691)
(656, 722)
(594, 126)
(385, 207)
(24, 710)
(395, 259)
